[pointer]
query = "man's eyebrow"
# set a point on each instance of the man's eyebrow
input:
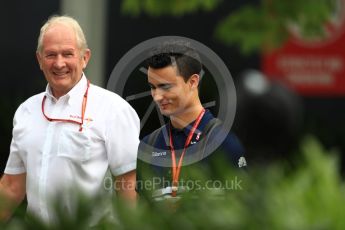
(159, 85)
(56, 51)
(69, 50)
(163, 84)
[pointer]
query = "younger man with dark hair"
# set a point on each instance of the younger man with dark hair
(166, 155)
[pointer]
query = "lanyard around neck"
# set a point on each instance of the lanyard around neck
(83, 108)
(177, 169)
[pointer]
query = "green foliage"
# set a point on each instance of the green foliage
(269, 25)
(308, 196)
(252, 27)
(166, 7)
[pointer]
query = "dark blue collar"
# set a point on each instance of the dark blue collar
(204, 121)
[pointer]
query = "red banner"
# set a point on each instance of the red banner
(312, 67)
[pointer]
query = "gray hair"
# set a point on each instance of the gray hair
(68, 21)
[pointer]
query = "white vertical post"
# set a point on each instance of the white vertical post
(91, 15)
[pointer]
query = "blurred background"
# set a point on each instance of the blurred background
(287, 59)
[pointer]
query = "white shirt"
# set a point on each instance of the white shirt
(56, 156)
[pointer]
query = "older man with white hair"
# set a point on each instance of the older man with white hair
(68, 137)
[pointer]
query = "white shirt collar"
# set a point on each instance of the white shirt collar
(74, 94)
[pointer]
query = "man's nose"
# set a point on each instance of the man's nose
(59, 62)
(157, 95)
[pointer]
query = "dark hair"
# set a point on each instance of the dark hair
(176, 53)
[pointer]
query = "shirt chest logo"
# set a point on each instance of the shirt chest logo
(88, 119)
(158, 154)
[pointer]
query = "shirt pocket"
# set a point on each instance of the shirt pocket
(74, 145)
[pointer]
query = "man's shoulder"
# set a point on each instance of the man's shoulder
(35, 100)
(108, 97)
(227, 141)
(152, 137)
(31, 104)
(233, 147)
(232, 141)
(104, 93)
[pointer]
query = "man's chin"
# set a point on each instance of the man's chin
(165, 112)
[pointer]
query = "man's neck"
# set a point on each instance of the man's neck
(59, 93)
(183, 119)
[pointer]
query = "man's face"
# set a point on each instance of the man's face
(171, 93)
(61, 60)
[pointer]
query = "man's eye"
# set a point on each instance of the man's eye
(68, 54)
(166, 87)
(50, 55)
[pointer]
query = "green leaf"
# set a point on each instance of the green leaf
(176, 8)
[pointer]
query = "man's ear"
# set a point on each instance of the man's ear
(86, 57)
(39, 59)
(194, 81)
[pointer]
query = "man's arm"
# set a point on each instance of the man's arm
(12, 193)
(125, 186)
